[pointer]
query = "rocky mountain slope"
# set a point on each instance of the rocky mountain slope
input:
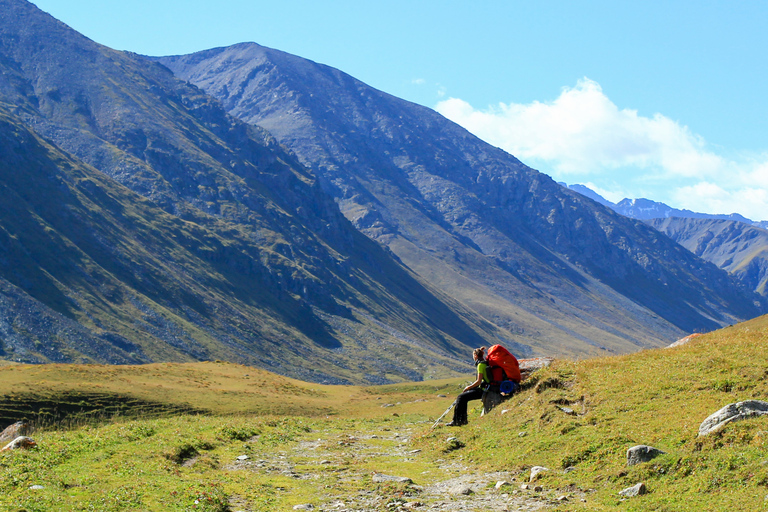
(737, 247)
(141, 222)
(553, 269)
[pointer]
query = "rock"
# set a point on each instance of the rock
(562, 498)
(525, 487)
(633, 491)
(569, 469)
(20, 428)
(490, 400)
(36, 487)
(733, 412)
(536, 471)
(23, 442)
(306, 506)
(538, 488)
(567, 410)
(453, 444)
(380, 478)
(501, 484)
(461, 490)
(642, 453)
(242, 457)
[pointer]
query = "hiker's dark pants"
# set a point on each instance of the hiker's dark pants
(460, 412)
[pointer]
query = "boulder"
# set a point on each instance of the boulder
(20, 428)
(20, 442)
(491, 399)
(733, 412)
(635, 490)
(642, 453)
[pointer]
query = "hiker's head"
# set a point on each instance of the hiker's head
(478, 354)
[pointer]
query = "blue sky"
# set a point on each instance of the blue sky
(657, 99)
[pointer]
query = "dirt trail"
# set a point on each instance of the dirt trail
(379, 470)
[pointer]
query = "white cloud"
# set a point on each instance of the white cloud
(710, 197)
(583, 131)
(418, 81)
(583, 136)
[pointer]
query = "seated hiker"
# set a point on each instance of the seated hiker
(472, 392)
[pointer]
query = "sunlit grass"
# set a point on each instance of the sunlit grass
(581, 416)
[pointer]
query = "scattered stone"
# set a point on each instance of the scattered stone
(522, 434)
(379, 478)
(412, 504)
(453, 444)
(642, 453)
(461, 490)
(395, 415)
(636, 490)
(562, 498)
(501, 484)
(538, 488)
(22, 442)
(36, 487)
(733, 412)
(20, 428)
(415, 451)
(388, 405)
(441, 396)
(326, 461)
(525, 487)
(306, 506)
(569, 469)
(567, 410)
(536, 471)
(505, 411)
(242, 457)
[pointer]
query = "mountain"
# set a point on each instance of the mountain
(644, 209)
(552, 268)
(737, 247)
(732, 242)
(140, 222)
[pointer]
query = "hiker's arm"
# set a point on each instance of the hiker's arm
(475, 384)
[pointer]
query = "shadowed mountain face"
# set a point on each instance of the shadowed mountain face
(141, 222)
(734, 246)
(551, 268)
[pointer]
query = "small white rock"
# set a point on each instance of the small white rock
(536, 471)
(36, 487)
(243, 457)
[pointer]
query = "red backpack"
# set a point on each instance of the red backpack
(502, 365)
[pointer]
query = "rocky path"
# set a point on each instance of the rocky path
(379, 469)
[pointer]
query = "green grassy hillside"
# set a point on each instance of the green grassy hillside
(260, 442)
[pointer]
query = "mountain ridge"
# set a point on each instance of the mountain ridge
(463, 213)
(258, 257)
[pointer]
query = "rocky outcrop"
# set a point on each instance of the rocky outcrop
(642, 453)
(733, 412)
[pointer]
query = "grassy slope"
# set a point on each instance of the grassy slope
(656, 397)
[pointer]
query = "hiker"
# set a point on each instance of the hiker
(472, 392)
